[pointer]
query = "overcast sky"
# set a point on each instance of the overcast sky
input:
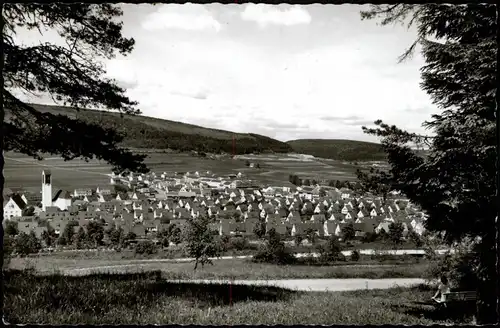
(288, 72)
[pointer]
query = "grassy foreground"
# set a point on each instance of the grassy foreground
(232, 269)
(140, 299)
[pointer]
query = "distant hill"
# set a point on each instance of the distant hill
(347, 150)
(149, 132)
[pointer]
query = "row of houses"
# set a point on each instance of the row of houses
(235, 211)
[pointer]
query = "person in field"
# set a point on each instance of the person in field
(443, 288)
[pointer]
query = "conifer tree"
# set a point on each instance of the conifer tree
(454, 181)
(71, 74)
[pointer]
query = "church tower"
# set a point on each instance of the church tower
(46, 189)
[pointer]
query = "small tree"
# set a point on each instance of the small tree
(260, 229)
(298, 239)
(200, 243)
(247, 163)
(80, 238)
(28, 211)
(66, 237)
(175, 234)
(395, 234)
(27, 243)
(348, 232)
(369, 237)
(130, 236)
(306, 182)
(274, 251)
(415, 238)
(49, 237)
(8, 247)
(95, 233)
(311, 235)
(239, 243)
(355, 255)
(145, 247)
(331, 251)
(119, 188)
(11, 228)
(116, 236)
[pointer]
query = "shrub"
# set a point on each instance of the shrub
(395, 234)
(66, 237)
(260, 229)
(25, 244)
(369, 237)
(11, 228)
(331, 251)
(239, 243)
(274, 251)
(8, 246)
(415, 238)
(461, 267)
(298, 239)
(355, 255)
(145, 247)
(348, 232)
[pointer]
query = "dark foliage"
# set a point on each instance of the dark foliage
(146, 132)
(274, 251)
(145, 247)
(455, 182)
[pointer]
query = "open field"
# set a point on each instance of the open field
(227, 269)
(25, 172)
(140, 299)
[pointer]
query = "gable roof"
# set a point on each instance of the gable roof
(62, 195)
(19, 201)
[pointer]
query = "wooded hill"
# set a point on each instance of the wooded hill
(346, 150)
(149, 132)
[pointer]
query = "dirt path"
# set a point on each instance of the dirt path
(322, 285)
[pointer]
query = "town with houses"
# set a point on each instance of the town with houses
(234, 203)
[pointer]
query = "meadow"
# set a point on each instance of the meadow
(24, 172)
(230, 268)
(142, 298)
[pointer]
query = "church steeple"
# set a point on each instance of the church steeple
(46, 189)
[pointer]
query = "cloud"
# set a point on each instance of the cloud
(316, 80)
(198, 95)
(191, 17)
(338, 118)
(265, 15)
(353, 120)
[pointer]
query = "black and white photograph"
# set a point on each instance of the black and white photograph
(250, 164)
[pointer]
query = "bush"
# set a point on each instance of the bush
(145, 247)
(8, 246)
(238, 243)
(460, 268)
(25, 244)
(11, 228)
(274, 251)
(355, 255)
(331, 251)
(369, 237)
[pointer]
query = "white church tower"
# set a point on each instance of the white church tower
(46, 189)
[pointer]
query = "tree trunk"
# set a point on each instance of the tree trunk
(2, 164)
(487, 276)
